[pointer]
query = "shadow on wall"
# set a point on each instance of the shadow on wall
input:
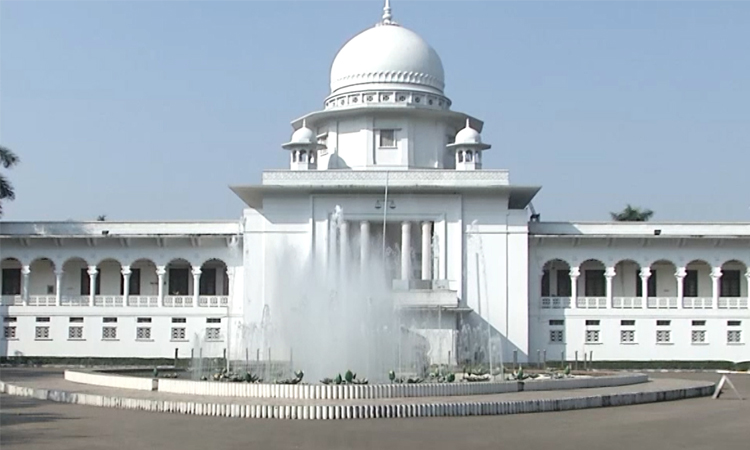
(473, 343)
(337, 162)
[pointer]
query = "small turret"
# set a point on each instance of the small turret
(304, 149)
(468, 148)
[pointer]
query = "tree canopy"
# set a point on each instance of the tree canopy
(632, 214)
(8, 159)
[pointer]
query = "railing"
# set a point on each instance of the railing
(591, 302)
(733, 303)
(42, 300)
(697, 303)
(178, 301)
(143, 301)
(662, 302)
(555, 303)
(108, 300)
(75, 300)
(213, 301)
(627, 302)
(11, 300)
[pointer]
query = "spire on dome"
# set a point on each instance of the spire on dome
(387, 16)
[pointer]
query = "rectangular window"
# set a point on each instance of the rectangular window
(627, 323)
(545, 284)
(11, 282)
(564, 287)
(41, 333)
(178, 334)
(734, 323)
(178, 281)
(556, 336)
(734, 337)
(699, 323)
(627, 336)
(698, 336)
(729, 285)
(387, 138)
(594, 284)
(9, 332)
(42, 319)
(690, 284)
(143, 333)
(592, 336)
(8, 319)
(556, 322)
(663, 323)
(213, 320)
(592, 323)
(134, 283)
(86, 283)
(651, 285)
(208, 282)
(144, 320)
(76, 320)
(179, 320)
(109, 333)
(213, 334)
(75, 333)
(663, 336)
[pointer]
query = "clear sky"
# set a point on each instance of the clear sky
(146, 110)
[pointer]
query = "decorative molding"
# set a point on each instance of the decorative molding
(402, 97)
(390, 76)
(396, 178)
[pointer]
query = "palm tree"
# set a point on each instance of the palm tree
(8, 159)
(101, 218)
(632, 214)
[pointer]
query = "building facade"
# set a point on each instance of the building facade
(386, 174)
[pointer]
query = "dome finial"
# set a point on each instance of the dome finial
(387, 17)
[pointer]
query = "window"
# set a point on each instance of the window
(109, 319)
(627, 323)
(698, 336)
(545, 284)
(387, 138)
(556, 336)
(75, 332)
(178, 334)
(651, 288)
(86, 283)
(9, 332)
(729, 284)
(734, 323)
(42, 319)
(564, 288)
(134, 283)
(143, 333)
(699, 323)
(144, 320)
(556, 322)
(9, 319)
(213, 320)
(592, 336)
(690, 284)
(178, 281)
(213, 334)
(734, 337)
(627, 336)
(41, 333)
(11, 282)
(594, 283)
(109, 333)
(663, 323)
(179, 320)
(663, 336)
(592, 323)
(208, 282)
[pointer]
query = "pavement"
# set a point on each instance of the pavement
(700, 423)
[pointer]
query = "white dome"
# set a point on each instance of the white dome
(387, 54)
(468, 135)
(303, 135)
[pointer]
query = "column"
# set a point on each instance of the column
(92, 283)
(125, 284)
(344, 250)
(364, 247)
(230, 287)
(25, 272)
(680, 275)
(575, 272)
(747, 278)
(609, 274)
(58, 286)
(406, 250)
(645, 275)
(160, 272)
(427, 250)
(715, 279)
(196, 284)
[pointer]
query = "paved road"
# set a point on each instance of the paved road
(684, 425)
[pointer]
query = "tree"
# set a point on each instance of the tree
(102, 218)
(8, 159)
(632, 214)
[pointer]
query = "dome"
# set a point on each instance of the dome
(387, 54)
(468, 135)
(304, 135)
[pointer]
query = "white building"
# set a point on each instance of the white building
(385, 149)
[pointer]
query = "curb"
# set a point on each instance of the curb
(335, 412)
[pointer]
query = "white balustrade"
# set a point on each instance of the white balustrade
(75, 300)
(108, 300)
(697, 302)
(662, 302)
(178, 301)
(733, 303)
(42, 300)
(627, 302)
(11, 300)
(555, 302)
(213, 301)
(592, 302)
(143, 301)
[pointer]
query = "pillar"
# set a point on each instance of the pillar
(406, 250)
(93, 272)
(196, 284)
(25, 272)
(230, 283)
(344, 249)
(58, 286)
(427, 250)
(364, 247)
(645, 275)
(747, 278)
(160, 272)
(575, 272)
(125, 284)
(609, 275)
(715, 279)
(680, 275)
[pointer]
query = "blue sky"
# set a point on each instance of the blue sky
(148, 110)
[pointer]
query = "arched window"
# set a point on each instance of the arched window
(468, 156)
(460, 156)
(302, 156)
(294, 156)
